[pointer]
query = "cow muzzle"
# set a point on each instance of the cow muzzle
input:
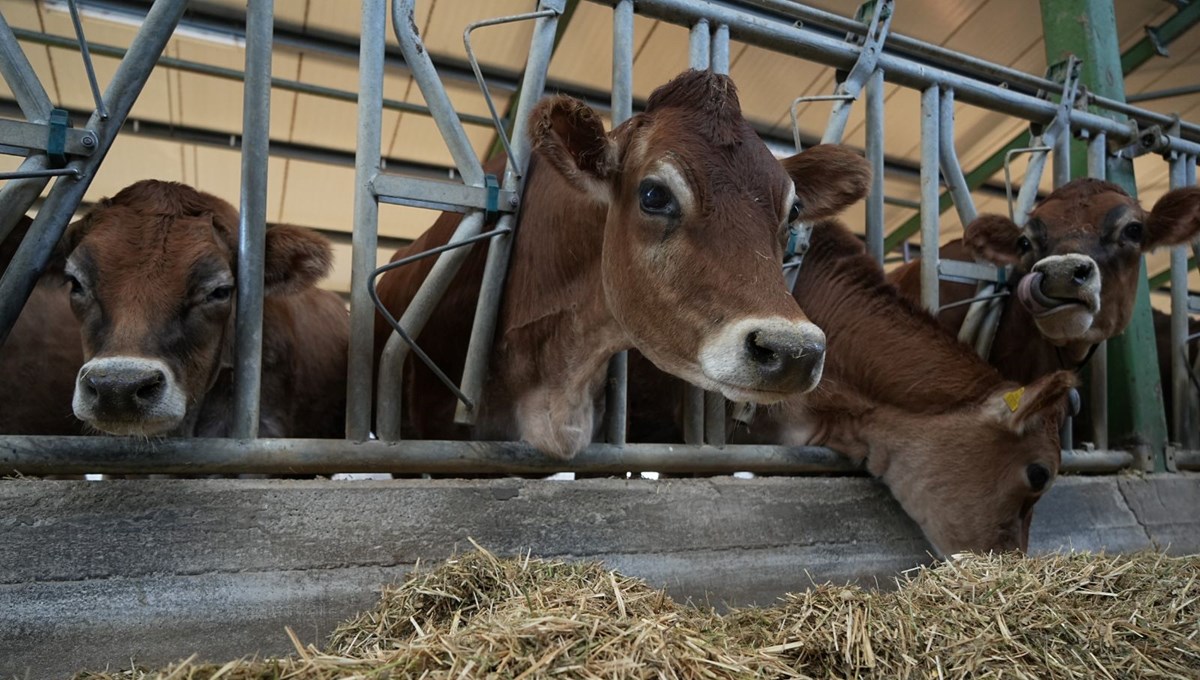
(1063, 295)
(764, 360)
(129, 396)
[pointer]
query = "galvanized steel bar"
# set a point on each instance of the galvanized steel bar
(32, 456)
(252, 223)
(87, 60)
(1181, 388)
(18, 194)
(1061, 160)
(1097, 167)
(437, 194)
(32, 256)
(699, 43)
(495, 271)
(693, 397)
(21, 78)
(426, 77)
(368, 151)
(875, 156)
(391, 364)
(948, 157)
(930, 215)
(720, 50)
(714, 402)
(1187, 460)
(616, 399)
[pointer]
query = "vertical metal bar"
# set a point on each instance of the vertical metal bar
(948, 161)
(21, 78)
(252, 225)
(495, 270)
(617, 395)
(367, 155)
(693, 397)
(875, 157)
(929, 198)
(1061, 167)
(1027, 195)
(18, 194)
(1180, 387)
(720, 49)
(698, 45)
(32, 256)
(1097, 158)
(1193, 395)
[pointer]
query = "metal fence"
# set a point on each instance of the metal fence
(865, 51)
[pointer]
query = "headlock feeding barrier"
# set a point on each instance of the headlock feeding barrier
(1059, 107)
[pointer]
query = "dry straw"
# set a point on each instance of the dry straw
(1066, 616)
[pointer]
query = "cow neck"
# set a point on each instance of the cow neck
(557, 332)
(1022, 354)
(882, 347)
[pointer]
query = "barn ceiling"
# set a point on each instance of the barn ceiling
(187, 122)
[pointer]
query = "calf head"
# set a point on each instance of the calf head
(971, 477)
(152, 275)
(1079, 254)
(697, 210)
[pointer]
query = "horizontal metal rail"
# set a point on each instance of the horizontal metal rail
(1187, 460)
(35, 137)
(34, 456)
(453, 196)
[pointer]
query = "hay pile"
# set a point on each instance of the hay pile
(1073, 616)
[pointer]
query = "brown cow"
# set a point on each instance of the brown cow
(1076, 263)
(1162, 337)
(151, 274)
(40, 358)
(665, 235)
(965, 452)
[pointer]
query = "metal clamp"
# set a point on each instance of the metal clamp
(492, 185)
(56, 142)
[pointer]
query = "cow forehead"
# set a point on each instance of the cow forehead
(1088, 214)
(152, 255)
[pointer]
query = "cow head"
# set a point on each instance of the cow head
(1079, 255)
(152, 274)
(697, 213)
(970, 477)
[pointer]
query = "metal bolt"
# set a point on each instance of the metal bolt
(513, 201)
(88, 141)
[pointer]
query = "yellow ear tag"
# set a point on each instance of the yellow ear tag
(1013, 399)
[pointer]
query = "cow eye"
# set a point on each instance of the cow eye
(219, 294)
(1024, 245)
(76, 286)
(1132, 232)
(1038, 475)
(656, 199)
(794, 213)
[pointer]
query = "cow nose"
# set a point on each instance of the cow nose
(1082, 272)
(124, 392)
(786, 361)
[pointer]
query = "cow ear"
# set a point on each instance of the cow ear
(1175, 218)
(296, 259)
(828, 178)
(570, 135)
(993, 238)
(1020, 409)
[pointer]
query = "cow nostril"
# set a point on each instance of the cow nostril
(1082, 272)
(761, 355)
(150, 387)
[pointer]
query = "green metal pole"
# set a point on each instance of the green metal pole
(1088, 29)
(1131, 60)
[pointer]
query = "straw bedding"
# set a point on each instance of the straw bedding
(1064, 616)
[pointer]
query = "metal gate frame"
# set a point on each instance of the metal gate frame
(780, 25)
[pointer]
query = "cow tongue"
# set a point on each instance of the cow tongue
(1029, 292)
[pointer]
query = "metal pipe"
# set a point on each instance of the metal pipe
(495, 271)
(252, 223)
(1187, 460)
(616, 400)
(391, 363)
(17, 195)
(783, 36)
(1181, 389)
(200, 68)
(426, 77)
(34, 253)
(930, 215)
(948, 157)
(698, 45)
(360, 364)
(714, 419)
(875, 198)
(1097, 167)
(21, 78)
(720, 50)
(693, 397)
(87, 60)
(1061, 165)
(1100, 460)
(117, 455)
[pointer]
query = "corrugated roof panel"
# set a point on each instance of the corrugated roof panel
(584, 56)
(660, 56)
(504, 45)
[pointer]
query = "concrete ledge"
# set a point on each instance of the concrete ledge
(94, 573)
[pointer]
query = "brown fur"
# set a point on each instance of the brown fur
(1071, 220)
(140, 251)
(591, 275)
